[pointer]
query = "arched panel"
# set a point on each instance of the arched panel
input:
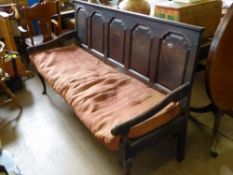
(97, 33)
(116, 40)
(81, 22)
(173, 60)
(140, 50)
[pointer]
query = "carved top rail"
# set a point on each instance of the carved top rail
(161, 53)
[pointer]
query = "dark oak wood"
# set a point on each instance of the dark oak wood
(116, 40)
(144, 40)
(162, 54)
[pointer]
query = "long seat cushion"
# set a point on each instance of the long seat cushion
(101, 96)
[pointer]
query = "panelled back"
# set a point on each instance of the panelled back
(161, 53)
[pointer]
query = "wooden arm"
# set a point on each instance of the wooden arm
(52, 43)
(173, 96)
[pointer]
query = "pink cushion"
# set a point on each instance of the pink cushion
(99, 95)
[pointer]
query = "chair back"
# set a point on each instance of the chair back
(219, 68)
(41, 15)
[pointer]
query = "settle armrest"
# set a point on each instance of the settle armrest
(53, 43)
(173, 96)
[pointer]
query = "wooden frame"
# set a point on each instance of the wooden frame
(162, 54)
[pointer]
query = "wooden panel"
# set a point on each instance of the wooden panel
(82, 25)
(173, 60)
(116, 40)
(97, 33)
(140, 50)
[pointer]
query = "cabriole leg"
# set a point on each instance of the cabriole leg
(43, 83)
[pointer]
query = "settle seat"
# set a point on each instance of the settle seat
(128, 77)
(101, 96)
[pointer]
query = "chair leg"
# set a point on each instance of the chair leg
(43, 83)
(218, 116)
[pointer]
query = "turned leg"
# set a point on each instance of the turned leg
(218, 115)
(43, 83)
